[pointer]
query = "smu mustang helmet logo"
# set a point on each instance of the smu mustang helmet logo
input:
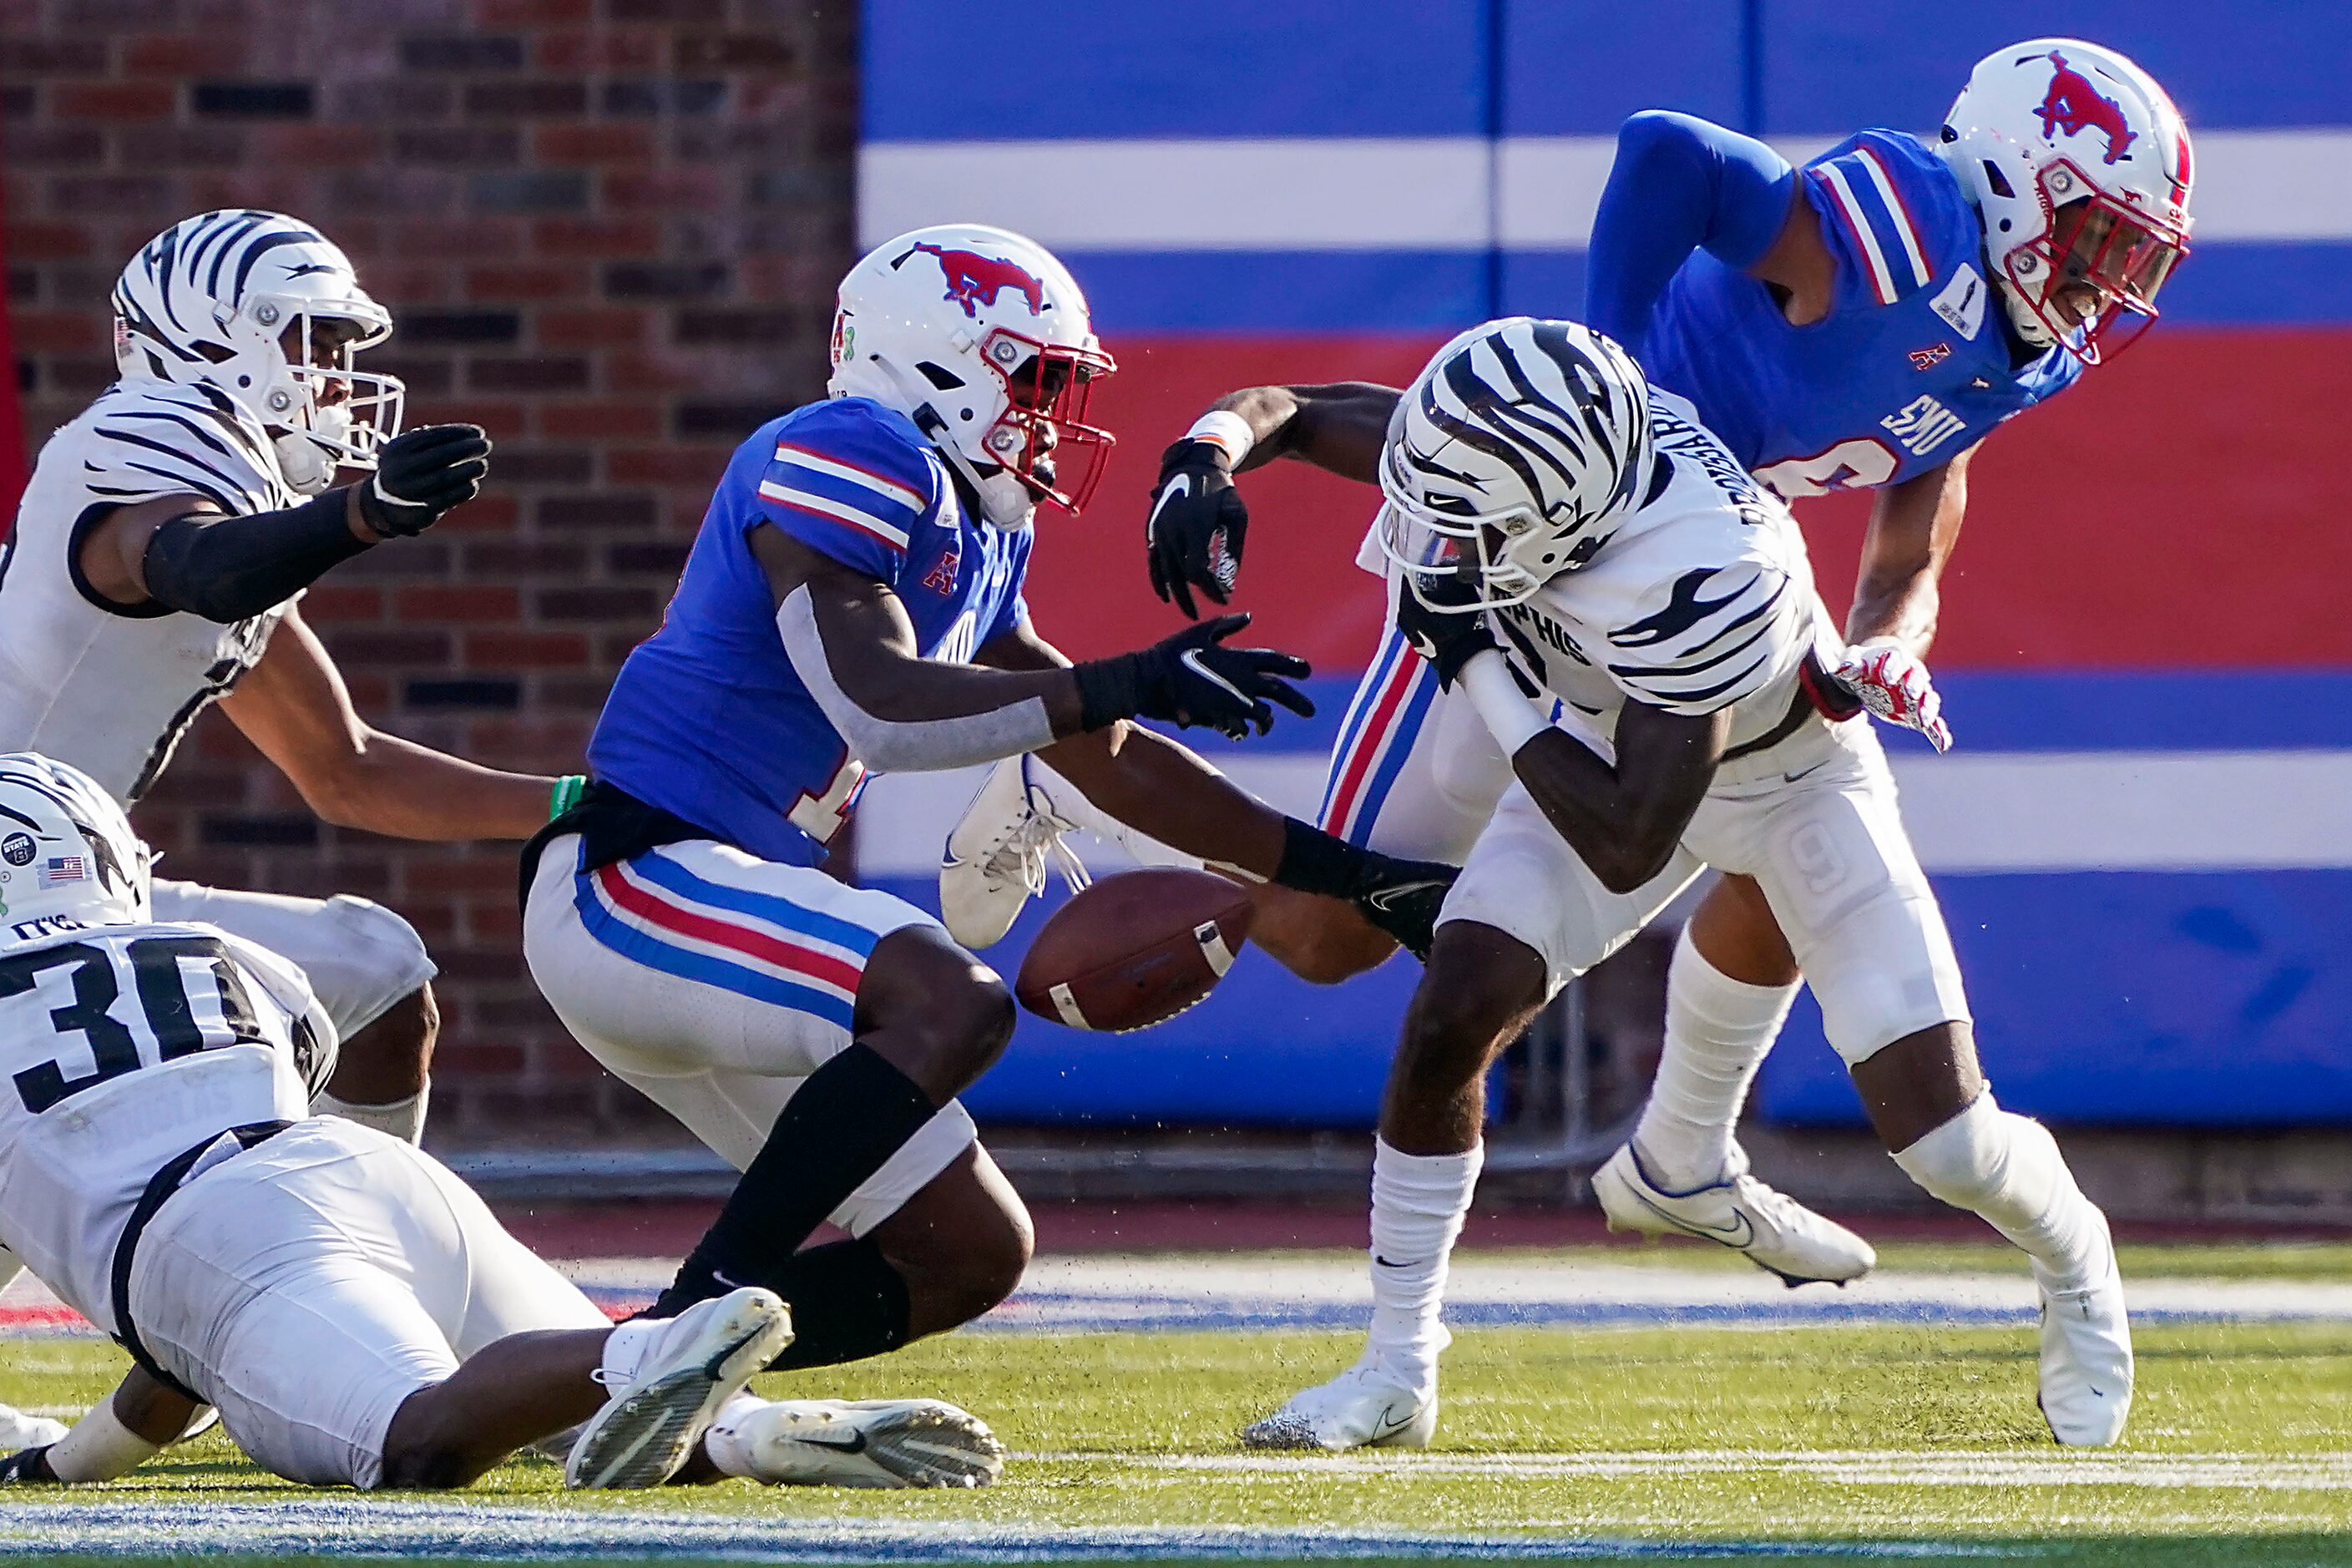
(2073, 105)
(974, 279)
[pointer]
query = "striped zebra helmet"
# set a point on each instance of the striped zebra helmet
(217, 300)
(1512, 456)
(68, 857)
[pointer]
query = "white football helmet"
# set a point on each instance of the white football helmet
(984, 340)
(214, 299)
(2080, 166)
(1513, 457)
(67, 856)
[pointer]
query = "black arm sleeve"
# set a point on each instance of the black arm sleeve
(229, 568)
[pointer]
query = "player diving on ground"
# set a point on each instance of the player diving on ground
(352, 1308)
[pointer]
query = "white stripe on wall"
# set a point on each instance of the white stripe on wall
(2002, 811)
(1432, 194)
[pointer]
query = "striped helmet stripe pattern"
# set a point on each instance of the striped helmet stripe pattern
(1537, 429)
(67, 850)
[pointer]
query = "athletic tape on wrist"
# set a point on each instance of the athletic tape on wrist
(1508, 714)
(1224, 428)
(565, 794)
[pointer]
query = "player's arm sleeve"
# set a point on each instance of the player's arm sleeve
(849, 489)
(1724, 635)
(229, 568)
(1679, 184)
(1009, 723)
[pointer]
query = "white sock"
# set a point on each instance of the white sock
(723, 1443)
(2007, 1168)
(1419, 1201)
(1718, 1031)
(402, 1118)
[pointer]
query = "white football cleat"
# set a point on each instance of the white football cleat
(864, 1443)
(19, 1431)
(1363, 1407)
(701, 1359)
(1774, 1231)
(995, 857)
(2086, 1360)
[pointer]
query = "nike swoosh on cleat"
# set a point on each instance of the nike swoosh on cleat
(1386, 1263)
(856, 1443)
(1388, 1425)
(1738, 1238)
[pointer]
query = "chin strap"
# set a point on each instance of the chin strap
(1005, 501)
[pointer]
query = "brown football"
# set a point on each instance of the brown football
(1135, 950)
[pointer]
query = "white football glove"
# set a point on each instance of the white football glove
(1885, 677)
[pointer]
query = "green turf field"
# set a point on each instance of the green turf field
(1906, 1442)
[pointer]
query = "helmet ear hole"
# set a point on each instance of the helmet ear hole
(1996, 181)
(941, 376)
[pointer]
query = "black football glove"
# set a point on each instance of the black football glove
(1447, 637)
(1197, 526)
(421, 473)
(1193, 679)
(1403, 897)
(1399, 897)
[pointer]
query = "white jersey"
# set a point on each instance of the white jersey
(124, 1047)
(111, 691)
(1702, 600)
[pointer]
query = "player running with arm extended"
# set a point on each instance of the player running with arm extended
(1862, 322)
(1555, 528)
(854, 602)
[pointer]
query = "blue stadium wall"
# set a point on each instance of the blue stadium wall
(2144, 844)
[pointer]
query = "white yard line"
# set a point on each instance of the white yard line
(1859, 1467)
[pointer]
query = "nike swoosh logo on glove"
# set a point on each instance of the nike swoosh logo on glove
(1386, 899)
(1182, 485)
(1191, 659)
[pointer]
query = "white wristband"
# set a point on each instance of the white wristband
(1225, 428)
(1508, 714)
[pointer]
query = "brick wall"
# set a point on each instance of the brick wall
(608, 231)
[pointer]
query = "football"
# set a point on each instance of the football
(1135, 950)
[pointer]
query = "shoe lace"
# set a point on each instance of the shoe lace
(1025, 851)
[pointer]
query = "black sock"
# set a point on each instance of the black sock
(847, 1303)
(839, 1127)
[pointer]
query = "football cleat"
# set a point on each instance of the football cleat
(702, 1358)
(2086, 1360)
(1772, 1230)
(865, 1443)
(1363, 1407)
(997, 856)
(18, 1430)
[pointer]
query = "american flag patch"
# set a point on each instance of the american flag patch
(63, 869)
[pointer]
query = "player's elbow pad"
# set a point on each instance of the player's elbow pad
(228, 569)
(905, 745)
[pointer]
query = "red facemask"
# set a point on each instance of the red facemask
(2093, 280)
(1041, 439)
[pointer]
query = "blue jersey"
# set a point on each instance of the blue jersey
(708, 719)
(1913, 364)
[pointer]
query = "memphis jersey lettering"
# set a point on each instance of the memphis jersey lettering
(1913, 364)
(708, 719)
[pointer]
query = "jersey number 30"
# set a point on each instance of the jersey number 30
(159, 970)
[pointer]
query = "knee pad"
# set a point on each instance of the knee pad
(1986, 1160)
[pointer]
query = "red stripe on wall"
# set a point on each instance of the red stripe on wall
(2180, 507)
